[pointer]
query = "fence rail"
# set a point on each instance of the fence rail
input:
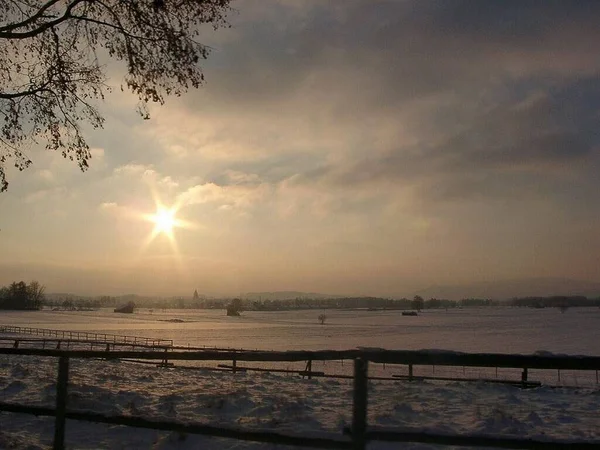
(405, 357)
(358, 435)
(87, 336)
(479, 370)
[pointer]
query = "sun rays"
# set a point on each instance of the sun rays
(165, 222)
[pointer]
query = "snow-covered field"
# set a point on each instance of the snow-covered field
(289, 403)
(498, 330)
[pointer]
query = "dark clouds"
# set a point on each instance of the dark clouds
(522, 145)
(482, 93)
(407, 49)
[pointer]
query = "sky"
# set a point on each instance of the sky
(357, 147)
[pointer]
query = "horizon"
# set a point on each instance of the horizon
(519, 288)
(368, 148)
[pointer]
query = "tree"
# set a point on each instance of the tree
(418, 303)
(20, 295)
(68, 304)
(235, 307)
(36, 294)
(51, 74)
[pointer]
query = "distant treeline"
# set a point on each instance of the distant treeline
(417, 303)
(73, 302)
(252, 304)
(344, 303)
(555, 302)
(70, 302)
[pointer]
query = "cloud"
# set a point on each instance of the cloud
(419, 97)
(45, 195)
(237, 177)
(46, 175)
(108, 206)
(513, 147)
(133, 169)
(237, 197)
(367, 47)
(133, 174)
(118, 211)
(97, 155)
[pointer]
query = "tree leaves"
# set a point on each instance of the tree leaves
(51, 77)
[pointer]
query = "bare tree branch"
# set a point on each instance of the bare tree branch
(31, 19)
(43, 27)
(27, 93)
(50, 75)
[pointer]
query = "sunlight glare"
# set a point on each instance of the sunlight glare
(164, 221)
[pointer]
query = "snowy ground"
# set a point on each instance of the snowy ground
(278, 402)
(495, 330)
(291, 404)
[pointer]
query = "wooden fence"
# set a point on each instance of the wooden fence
(356, 437)
(83, 336)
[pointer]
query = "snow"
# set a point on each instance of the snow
(486, 330)
(276, 402)
(291, 404)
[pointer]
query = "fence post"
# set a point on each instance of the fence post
(410, 372)
(166, 360)
(61, 402)
(359, 413)
(524, 377)
(234, 363)
(309, 369)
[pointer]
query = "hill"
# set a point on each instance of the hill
(506, 289)
(284, 295)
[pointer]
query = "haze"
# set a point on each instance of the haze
(355, 147)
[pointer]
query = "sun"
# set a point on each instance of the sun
(164, 221)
